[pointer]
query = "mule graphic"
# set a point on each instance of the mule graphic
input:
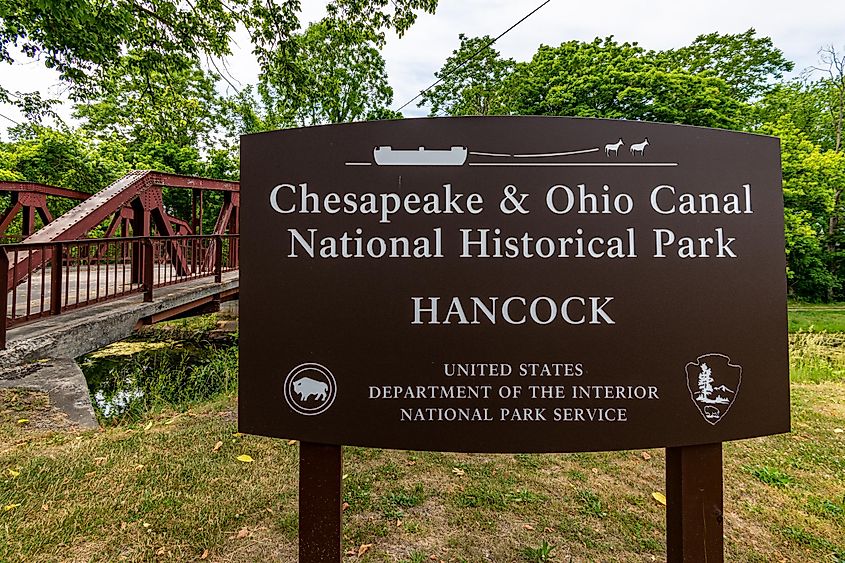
(306, 387)
(613, 148)
(639, 148)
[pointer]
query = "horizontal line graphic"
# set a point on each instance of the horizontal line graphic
(597, 164)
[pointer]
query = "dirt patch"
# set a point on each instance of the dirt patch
(29, 410)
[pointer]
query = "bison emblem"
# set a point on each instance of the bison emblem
(310, 389)
(307, 387)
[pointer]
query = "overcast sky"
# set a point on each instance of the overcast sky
(799, 29)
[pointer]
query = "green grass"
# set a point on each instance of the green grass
(160, 485)
(817, 318)
(166, 484)
(816, 357)
(540, 554)
(770, 476)
(591, 504)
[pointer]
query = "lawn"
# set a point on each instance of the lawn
(171, 487)
(180, 484)
(817, 318)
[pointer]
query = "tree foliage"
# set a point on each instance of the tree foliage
(85, 40)
(607, 79)
(708, 83)
(750, 65)
(732, 81)
(341, 77)
(144, 75)
(180, 106)
(471, 81)
(808, 117)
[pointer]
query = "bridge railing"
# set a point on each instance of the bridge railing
(71, 274)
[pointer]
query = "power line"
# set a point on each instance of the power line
(9, 118)
(472, 56)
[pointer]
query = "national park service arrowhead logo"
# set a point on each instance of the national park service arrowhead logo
(713, 382)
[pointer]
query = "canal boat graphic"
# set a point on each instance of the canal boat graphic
(457, 155)
(388, 156)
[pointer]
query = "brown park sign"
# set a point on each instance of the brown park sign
(512, 284)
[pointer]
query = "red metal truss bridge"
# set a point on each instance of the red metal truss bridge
(122, 242)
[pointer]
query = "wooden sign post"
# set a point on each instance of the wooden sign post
(694, 519)
(514, 284)
(320, 477)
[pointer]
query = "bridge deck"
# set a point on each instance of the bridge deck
(89, 285)
(79, 331)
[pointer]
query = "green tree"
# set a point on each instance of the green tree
(180, 107)
(471, 81)
(607, 79)
(750, 65)
(341, 77)
(86, 39)
(157, 121)
(812, 190)
(812, 110)
(832, 91)
(61, 157)
(710, 82)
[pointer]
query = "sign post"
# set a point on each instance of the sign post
(694, 519)
(320, 475)
(514, 284)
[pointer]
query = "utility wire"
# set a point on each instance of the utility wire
(9, 118)
(475, 54)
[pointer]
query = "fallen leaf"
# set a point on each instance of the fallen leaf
(659, 497)
(527, 527)
(14, 473)
(245, 458)
(398, 523)
(148, 425)
(345, 475)
(458, 471)
(204, 554)
(412, 462)
(344, 506)
(291, 442)
(838, 431)
(646, 456)
(146, 524)
(45, 507)
(9, 507)
(364, 548)
(217, 446)
(23, 420)
(242, 533)
(171, 421)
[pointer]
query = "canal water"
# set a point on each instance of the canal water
(170, 365)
